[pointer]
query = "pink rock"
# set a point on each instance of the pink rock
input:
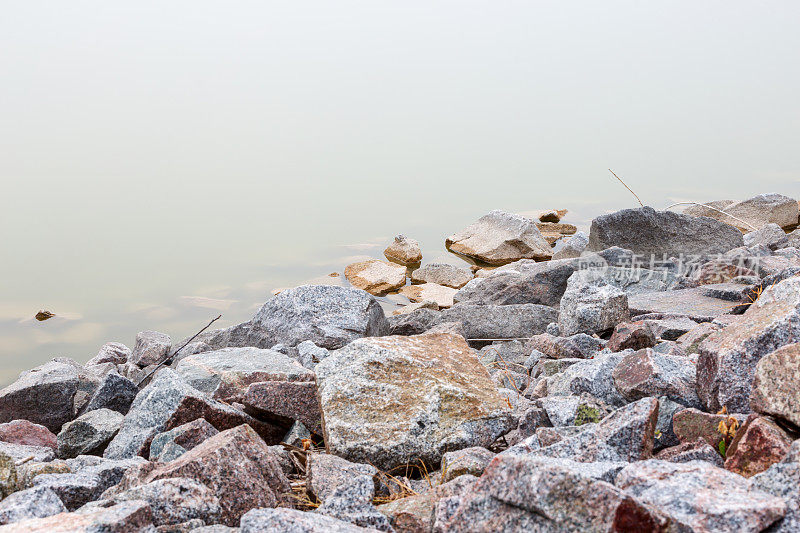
(758, 444)
(28, 433)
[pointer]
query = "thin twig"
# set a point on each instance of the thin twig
(713, 208)
(622, 182)
(171, 356)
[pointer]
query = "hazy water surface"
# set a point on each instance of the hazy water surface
(165, 162)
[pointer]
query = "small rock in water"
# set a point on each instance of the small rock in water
(404, 251)
(375, 276)
(554, 215)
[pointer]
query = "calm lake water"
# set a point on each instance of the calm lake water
(161, 164)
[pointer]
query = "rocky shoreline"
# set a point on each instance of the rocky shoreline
(643, 377)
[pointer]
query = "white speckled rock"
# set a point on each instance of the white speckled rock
(404, 251)
(394, 400)
(430, 292)
(498, 238)
(590, 305)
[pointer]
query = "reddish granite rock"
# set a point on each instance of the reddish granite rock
(648, 373)
(175, 442)
(633, 335)
(416, 514)
(28, 433)
(690, 341)
(239, 468)
(776, 386)
(285, 401)
(692, 424)
(698, 450)
(728, 358)
(721, 272)
(758, 444)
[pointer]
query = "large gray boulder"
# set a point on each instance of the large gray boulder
(498, 238)
(327, 315)
(43, 395)
(647, 231)
(753, 213)
(698, 496)
(395, 400)
(728, 357)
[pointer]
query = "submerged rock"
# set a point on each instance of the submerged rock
(499, 238)
(395, 400)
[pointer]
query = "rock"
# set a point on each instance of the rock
(403, 250)
(578, 346)
(442, 274)
(416, 513)
(134, 516)
(296, 435)
(469, 461)
(782, 480)
(227, 373)
(647, 373)
(698, 450)
(500, 321)
(329, 316)
(291, 520)
(554, 215)
(8, 475)
(694, 304)
(631, 335)
(770, 235)
(175, 500)
(572, 246)
(753, 213)
(352, 502)
(90, 433)
(498, 238)
(536, 283)
(623, 436)
(415, 322)
(375, 276)
(690, 341)
(87, 481)
(43, 395)
(171, 444)
(774, 390)
(282, 402)
(540, 494)
(27, 433)
(310, 354)
(27, 472)
(115, 392)
(168, 402)
(22, 452)
(393, 400)
(692, 424)
(573, 410)
(590, 305)
(665, 432)
(38, 502)
(592, 376)
(430, 292)
(325, 473)
(728, 358)
(758, 444)
(553, 231)
(151, 348)
(236, 465)
(647, 231)
(721, 271)
(410, 308)
(697, 496)
(111, 352)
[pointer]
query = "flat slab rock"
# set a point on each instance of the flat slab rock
(389, 401)
(376, 276)
(691, 303)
